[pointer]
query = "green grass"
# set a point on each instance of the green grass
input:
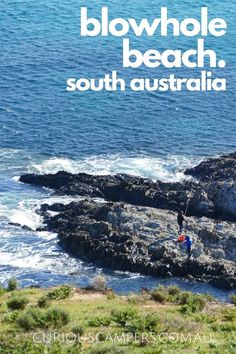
(114, 321)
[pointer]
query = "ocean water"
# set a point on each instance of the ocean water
(43, 128)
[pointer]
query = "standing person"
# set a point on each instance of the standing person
(180, 220)
(188, 243)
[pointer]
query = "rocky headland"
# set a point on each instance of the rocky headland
(129, 223)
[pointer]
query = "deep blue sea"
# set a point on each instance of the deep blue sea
(43, 128)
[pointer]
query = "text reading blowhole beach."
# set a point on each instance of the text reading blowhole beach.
(163, 26)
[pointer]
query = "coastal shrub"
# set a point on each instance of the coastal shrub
(153, 351)
(208, 297)
(61, 348)
(60, 293)
(2, 291)
(78, 330)
(142, 324)
(102, 337)
(12, 284)
(32, 318)
(43, 302)
(134, 299)
(28, 346)
(99, 283)
(123, 316)
(111, 295)
(205, 318)
(173, 290)
(224, 327)
(3, 307)
(151, 321)
(184, 297)
(193, 304)
(158, 295)
(17, 303)
(107, 350)
(10, 346)
(233, 299)
(175, 295)
(98, 321)
(162, 293)
(37, 318)
(12, 316)
(229, 315)
(144, 296)
(56, 317)
(134, 326)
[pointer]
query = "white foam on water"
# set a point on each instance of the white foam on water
(47, 236)
(8, 152)
(31, 252)
(22, 260)
(54, 165)
(35, 251)
(25, 214)
(169, 169)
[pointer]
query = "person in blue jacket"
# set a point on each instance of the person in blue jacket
(188, 243)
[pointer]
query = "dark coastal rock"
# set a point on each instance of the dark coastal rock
(144, 240)
(135, 229)
(129, 189)
(24, 227)
(211, 199)
(217, 178)
(14, 224)
(215, 169)
(63, 183)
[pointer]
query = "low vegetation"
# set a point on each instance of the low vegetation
(233, 299)
(60, 293)
(12, 284)
(64, 320)
(17, 302)
(99, 283)
(43, 301)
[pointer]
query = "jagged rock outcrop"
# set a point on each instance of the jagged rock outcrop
(213, 195)
(221, 168)
(144, 240)
(129, 223)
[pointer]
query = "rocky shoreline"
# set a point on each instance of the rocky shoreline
(129, 223)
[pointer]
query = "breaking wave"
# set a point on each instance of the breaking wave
(169, 169)
(35, 258)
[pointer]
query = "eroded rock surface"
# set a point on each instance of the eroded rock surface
(129, 223)
(144, 240)
(213, 195)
